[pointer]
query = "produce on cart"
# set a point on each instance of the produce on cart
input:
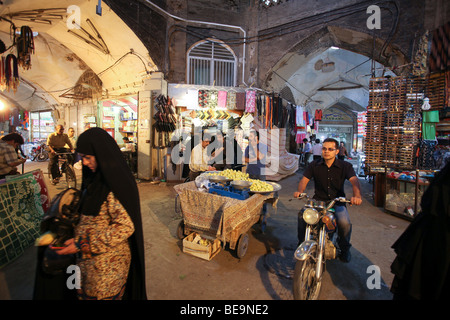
(214, 216)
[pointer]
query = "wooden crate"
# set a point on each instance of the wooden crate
(201, 251)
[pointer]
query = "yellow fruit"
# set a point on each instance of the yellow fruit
(261, 186)
(45, 239)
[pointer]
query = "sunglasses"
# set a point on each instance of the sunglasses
(329, 149)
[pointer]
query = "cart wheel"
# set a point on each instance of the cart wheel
(180, 230)
(242, 245)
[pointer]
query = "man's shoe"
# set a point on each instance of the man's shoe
(55, 181)
(345, 256)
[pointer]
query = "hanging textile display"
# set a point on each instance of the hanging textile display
(240, 100)
(202, 98)
(25, 47)
(222, 99)
(11, 73)
(231, 100)
(250, 101)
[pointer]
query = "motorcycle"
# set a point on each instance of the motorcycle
(319, 245)
(39, 153)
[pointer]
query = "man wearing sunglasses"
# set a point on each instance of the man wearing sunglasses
(329, 174)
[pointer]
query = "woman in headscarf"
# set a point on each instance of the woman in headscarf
(109, 238)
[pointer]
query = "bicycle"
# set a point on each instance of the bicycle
(64, 167)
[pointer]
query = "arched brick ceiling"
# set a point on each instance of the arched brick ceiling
(316, 67)
(61, 57)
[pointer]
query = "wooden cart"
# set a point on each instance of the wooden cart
(218, 217)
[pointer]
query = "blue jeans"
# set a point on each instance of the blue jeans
(344, 227)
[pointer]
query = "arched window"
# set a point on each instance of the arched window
(211, 62)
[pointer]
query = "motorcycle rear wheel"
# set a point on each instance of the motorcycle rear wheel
(306, 286)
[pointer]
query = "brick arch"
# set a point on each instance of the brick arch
(344, 38)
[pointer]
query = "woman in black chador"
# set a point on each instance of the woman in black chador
(108, 239)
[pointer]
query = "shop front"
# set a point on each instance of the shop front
(338, 124)
(234, 111)
(407, 139)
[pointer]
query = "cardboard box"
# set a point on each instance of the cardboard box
(192, 247)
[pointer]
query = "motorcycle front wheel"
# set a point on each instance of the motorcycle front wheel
(42, 157)
(306, 286)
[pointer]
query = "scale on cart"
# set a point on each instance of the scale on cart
(223, 186)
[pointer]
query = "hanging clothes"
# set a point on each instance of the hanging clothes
(430, 118)
(318, 115)
(299, 119)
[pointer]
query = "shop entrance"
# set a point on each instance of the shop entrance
(119, 118)
(342, 133)
(41, 124)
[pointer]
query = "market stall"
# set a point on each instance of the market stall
(238, 110)
(219, 213)
(407, 138)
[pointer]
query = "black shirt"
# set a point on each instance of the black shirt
(329, 182)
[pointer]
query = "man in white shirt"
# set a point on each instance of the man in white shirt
(307, 149)
(199, 159)
(317, 150)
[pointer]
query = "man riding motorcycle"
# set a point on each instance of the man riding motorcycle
(329, 174)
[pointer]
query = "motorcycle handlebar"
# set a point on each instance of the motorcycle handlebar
(332, 202)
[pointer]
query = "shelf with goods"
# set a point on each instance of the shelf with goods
(404, 190)
(90, 121)
(41, 125)
(128, 121)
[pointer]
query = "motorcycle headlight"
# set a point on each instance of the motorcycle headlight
(311, 216)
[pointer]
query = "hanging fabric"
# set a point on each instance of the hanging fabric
(240, 100)
(231, 100)
(11, 73)
(222, 99)
(212, 97)
(250, 101)
(202, 98)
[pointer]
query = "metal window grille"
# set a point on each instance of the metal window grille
(211, 63)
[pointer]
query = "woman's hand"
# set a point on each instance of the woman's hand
(69, 248)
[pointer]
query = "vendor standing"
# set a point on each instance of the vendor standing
(9, 159)
(56, 142)
(255, 156)
(200, 159)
